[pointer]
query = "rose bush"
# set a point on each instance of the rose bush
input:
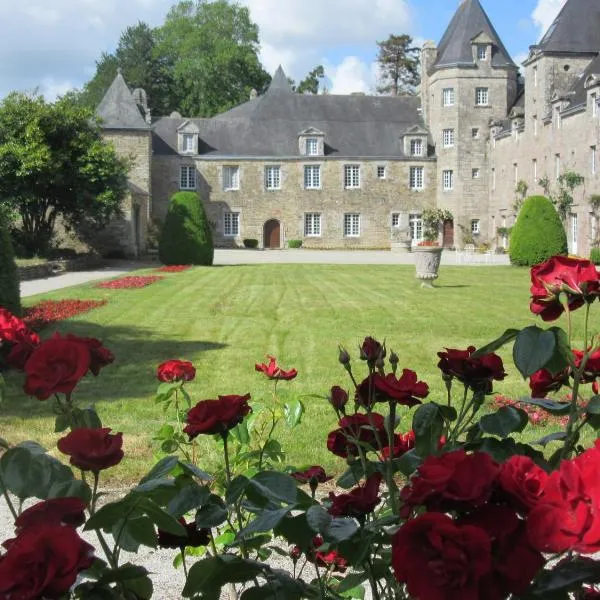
(456, 507)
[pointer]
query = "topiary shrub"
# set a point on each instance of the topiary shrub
(538, 233)
(186, 238)
(295, 244)
(595, 256)
(10, 297)
(250, 243)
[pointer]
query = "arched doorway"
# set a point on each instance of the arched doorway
(272, 234)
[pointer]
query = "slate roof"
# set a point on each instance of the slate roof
(268, 126)
(118, 109)
(578, 91)
(576, 29)
(455, 47)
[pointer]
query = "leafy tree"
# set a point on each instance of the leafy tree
(310, 84)
(213, 47)
(538, 233)
(398, 64)
(54, 162)
(141, 65)
(186, 238)
(9, 277)
(562, 197)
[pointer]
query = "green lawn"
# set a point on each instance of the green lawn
(225, 319)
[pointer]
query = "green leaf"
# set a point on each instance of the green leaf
(296, 531)
(318, 519)
(593, 406)
(562, 356)
(86, 417)
(154, 484)
(557, 436)
(265, 521)
(566, 576)
(293, 413)
(448, 412)
(193, 470)
(236, 489)
(131, 532)
(161, 518)
(188, 498)
(352, 476)
(533, 350)
(508, 336)
(504, 421)
(109, 514)
(162, 468)
(123, 573)
(428, 425)
(166, 432)
(408, 463)
(351, 581)
(551, 406)
(61, 423)
(71, 489)
(240, 433)
(274, 486)
(211, 514)
(341, 529)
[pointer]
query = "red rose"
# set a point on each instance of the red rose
(315, 473)
(402, 444)
(454, 480)
(99, 355)
(55, 366)
(273, 371)
(591, 370)
(17, 337)
(56, 511)
(92, 449)
(21, 351)
(368, 429)
(476, 373)
(406, 390)
(576, 277)
(440, 560)
(12, 329)
(522, 482)
(43, 562)
(338, 397)
(514, 562)
(371, 350)
(359, 502)
(542, 382)
(216, 416)
(175, 370)
(567, 516)
(194, 537)
(330, 559)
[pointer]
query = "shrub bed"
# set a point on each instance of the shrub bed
(44, 313)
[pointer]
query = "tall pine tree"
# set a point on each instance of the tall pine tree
(398, 65)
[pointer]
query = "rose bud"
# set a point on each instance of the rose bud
(344, 357)
(338, 398)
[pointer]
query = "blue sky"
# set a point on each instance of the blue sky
(52, 45)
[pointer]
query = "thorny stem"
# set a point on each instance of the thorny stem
(185, 569)
(372, 579)
(461, 415)
(107, 552)
(390, 471)
(238, 512)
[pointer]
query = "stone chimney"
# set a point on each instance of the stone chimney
(428, 58)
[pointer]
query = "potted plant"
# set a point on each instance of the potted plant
(428, 253)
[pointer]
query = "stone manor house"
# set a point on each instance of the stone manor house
(351, 171)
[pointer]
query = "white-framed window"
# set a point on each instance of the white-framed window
(188, 142)
(351, 225)
(475, 173)
(535, 126)
(573, 233)
(416, 179)
(381, 172)
(535, 77)
(415, 224)
(273, 177)
(448, 138)
(448, 97)
(493, 179)
(231, 224)
(448, 180)
(594, 100)
(312, 224)
(481, 52)
(516, 172)
(475, 227)
(557, 117)
(474, 132)
(557, 165)
(482, 96)
(416, 147)
(351, 177)
(231, 178)
(593, 159)
(312, 146)
(534, 169)
(395, 219)
(187, 177)
(312, 177)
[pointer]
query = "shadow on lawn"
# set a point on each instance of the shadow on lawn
(133, 373)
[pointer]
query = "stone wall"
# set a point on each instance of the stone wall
(375, 201)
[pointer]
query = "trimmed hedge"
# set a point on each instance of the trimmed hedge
(595, 256)
(295, 244)
(538, 233)
(186, 238)
(10, 295)
(250, 243)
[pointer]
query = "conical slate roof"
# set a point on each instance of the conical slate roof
(280, 82)
(455, 47)
(576, 29)
(118, 109)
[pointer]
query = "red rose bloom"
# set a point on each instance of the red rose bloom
(592, 367)
(43, 562)
(359, 502)
(55, 511)
(92, 449)
(273, 371)
(99, 355)
(567, 516)
(175, 370)
(542, 382)
(194, 537)
(311, 474)
(216, 416)
(402, 444)
(521, 482)
(514, 562)
(477, 373)
(12, 329)
(454, 480)
(371, 350)
(338, 398)
(440, 560)
(576, 277)
(330, 559)
(406, 390)
(55, 366)
(17, 337)
(368, 429)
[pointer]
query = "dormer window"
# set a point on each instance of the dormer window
(481, 52)
(187, 138)
(416, 147)
(311, 142)
(312, 147)
(188, 143)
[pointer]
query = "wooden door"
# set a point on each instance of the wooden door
(272, 235)
(448, 234)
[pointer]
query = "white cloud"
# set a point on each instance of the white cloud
(51, 88)
(350, 76)
(42, 14)
(545, 12)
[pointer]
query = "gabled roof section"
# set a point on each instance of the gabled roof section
(279, 83)
(470, 23)
(118, 109)
(188, 127)
(576, 29)
(417, 130)
(311, 131)
(579, 89)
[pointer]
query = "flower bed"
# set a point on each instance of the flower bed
(173, 268)
(129, 282)
(44, 313)
(537, 416)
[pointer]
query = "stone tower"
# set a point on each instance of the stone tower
(468, 81)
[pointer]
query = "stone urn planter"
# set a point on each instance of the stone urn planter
(427, 263)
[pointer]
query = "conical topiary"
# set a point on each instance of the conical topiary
(538, 233)
(186, 238)
(10, 297)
